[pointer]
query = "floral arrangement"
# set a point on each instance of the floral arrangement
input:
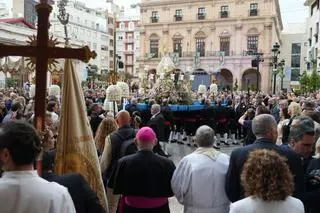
(165, 66)
(54, 90)
(113, 93)
(124, 87)
(202, 89)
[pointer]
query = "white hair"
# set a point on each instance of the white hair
(204, 136)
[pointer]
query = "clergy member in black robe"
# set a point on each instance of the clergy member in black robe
(143, 179)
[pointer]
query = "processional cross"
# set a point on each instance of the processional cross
(42, 52)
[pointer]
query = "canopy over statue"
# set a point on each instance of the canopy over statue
(166, 65)
(176, 87)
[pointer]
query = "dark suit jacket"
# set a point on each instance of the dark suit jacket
(157, 124)
(238, 158)
(84, 199)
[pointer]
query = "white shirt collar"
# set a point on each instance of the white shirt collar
(155, 115)
(20, 174)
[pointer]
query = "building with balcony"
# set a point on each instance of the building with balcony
(87, 26)
(128, 40)
(313, 31)
(113, 11)
(212, 37)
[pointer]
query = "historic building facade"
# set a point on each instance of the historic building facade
(313, 30)
(87, 26)
(294, 52)
(128, 40)
(212, 37)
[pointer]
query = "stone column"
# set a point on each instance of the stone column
(239, 40)
(142, 42)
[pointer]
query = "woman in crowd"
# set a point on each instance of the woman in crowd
(294, 110)
(53, 108)
(268, 184)
(106, 127)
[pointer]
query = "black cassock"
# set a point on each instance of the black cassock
(143, 174)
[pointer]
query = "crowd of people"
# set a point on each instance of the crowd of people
(276, 170)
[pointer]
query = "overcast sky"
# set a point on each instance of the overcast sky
(291, 10)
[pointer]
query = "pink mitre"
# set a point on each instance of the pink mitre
(146, 134)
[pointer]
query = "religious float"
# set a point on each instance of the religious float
(175, 88)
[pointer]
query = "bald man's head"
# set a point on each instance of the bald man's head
(123, 118)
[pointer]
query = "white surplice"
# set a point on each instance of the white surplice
(199, 182)
(26, 192)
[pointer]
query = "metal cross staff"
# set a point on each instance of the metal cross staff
(64, 19)
(42, 53)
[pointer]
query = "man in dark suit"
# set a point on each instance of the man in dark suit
(156, 123)
(85, 200)
(240, 109)
(265, 129)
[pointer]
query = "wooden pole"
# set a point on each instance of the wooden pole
(43, 11)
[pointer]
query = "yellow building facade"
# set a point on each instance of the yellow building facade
(215, 37)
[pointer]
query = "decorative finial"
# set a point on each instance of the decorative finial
(64, 18)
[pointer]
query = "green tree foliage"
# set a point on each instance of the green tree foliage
(314, 79)
(304, 81)
(11, 82)
(310, 83)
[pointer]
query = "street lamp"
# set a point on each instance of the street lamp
(282, 75)
(256, 63)
(276, 52)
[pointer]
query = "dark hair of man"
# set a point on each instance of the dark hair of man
(50, 105)
(16, 106)
(21, 140)
(262, 110)
(285, 113)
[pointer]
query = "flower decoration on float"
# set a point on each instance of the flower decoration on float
(202, 89)
(54, 90)
(124, 87)
(113, 93)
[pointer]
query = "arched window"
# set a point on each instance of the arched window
(131, 25)
(154, 45)
(253, 40)
(200, 43)
(121, 26)
(177, 44)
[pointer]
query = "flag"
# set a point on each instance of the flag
(76, 151)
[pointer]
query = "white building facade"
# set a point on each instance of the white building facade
(128, 40)
(313, 31)
(294, 51)
(86, 26)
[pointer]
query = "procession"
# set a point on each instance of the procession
(186, 134)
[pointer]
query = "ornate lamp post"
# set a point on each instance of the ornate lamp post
(276, 52)
(256, 63)
(281, 73)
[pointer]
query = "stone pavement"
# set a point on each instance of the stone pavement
(178, 152)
